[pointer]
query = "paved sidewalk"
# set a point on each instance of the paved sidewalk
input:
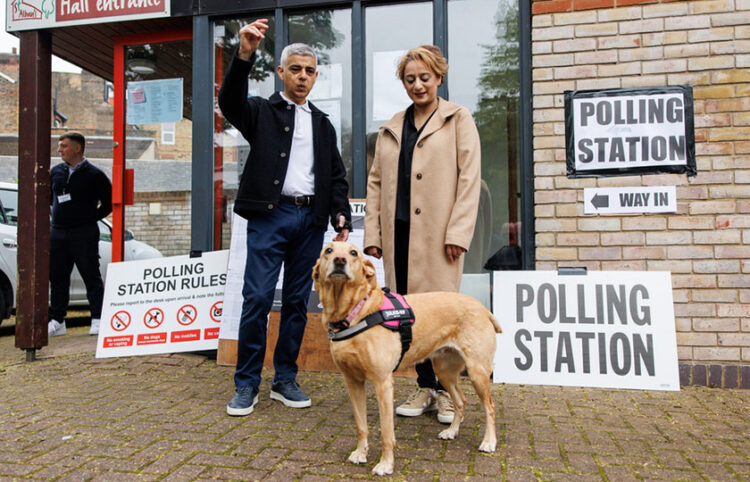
(70, 416)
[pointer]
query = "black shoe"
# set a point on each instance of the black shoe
(289, 393)
(243, 401)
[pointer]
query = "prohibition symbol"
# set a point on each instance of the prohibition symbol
(120, 320)
(216, 311)
(186, 315)
(153, 318)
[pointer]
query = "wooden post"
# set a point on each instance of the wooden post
(34, 120)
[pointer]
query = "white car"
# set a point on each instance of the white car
(9, 248)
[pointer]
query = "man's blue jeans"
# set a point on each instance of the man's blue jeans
(289, 236)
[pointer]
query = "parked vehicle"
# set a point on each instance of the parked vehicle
(134, 249)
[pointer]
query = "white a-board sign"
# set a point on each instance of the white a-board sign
(162, 305)
(609, 329)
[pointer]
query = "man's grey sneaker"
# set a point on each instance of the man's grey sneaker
(243, 401)
(55, 328)
(94, 330)
(420, 401)
(289, 393)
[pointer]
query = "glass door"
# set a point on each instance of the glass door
(151, 169)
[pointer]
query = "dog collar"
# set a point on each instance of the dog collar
(344, 324)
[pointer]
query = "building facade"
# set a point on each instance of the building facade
(511, 63)
(596, 44)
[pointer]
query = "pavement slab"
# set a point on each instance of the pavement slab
(69, 416)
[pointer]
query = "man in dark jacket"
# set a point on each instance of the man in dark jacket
(81, 196)
(293, 182)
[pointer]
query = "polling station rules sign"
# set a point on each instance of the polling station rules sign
(163, 305)
(602, 329)
(618, 132)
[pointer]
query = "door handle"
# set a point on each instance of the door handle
(10, 243)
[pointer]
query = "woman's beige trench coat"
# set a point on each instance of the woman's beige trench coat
(445, 183)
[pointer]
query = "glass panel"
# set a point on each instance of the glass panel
(161, 214)
(9, 201)
(329, 33)
(231, 148)
(484, 77)
(390, 31)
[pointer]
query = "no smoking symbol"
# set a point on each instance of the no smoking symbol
(120, 320)
(153, 318)
(216, 310)
(186, 315)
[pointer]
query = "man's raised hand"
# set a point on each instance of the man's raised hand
(250, 37)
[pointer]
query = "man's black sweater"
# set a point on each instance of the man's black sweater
(90, 196)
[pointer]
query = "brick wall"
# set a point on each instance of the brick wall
(169, 229)
(586, 44)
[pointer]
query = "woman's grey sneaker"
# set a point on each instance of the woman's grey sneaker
(444, 407)
(289, 393)
(420, 401)
(243, 401)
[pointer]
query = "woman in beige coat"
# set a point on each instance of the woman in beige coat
(422, 200)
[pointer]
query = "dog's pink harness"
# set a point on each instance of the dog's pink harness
(394, 314)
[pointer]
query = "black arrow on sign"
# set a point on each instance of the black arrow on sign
(600, 201)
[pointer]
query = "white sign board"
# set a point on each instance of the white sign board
(630, 131)
(154, 101)
(602, 329)
(38, 14)
(162, 305)
(230, 323)
(612, 200)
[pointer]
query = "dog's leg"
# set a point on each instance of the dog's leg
(384, 392)
(448, 366)
(356, 389)
(480, 378)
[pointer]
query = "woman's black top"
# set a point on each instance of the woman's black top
(409, 136)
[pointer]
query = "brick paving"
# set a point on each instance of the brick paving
(69, 416)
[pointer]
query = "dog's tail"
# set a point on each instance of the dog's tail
(495, 322)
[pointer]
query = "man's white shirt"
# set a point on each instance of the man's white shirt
(300, 179)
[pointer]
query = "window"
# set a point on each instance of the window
(167, 133)
(9, 200)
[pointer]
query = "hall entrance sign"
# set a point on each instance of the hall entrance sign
(602, 329)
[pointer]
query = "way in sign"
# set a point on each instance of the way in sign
(630, 200)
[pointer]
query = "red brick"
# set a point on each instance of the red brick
(589, 4)
(551, 6)
(622, 3)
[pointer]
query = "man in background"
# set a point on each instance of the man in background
(81, 196)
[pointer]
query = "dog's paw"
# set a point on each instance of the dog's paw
(488, 447)
(448, 434)
(383, 468)
(358, 457)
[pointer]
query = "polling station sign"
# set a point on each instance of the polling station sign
(624, 132)
(602, 329)
(163, 305)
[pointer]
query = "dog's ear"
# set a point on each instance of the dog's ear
(316, 273)
(369, 269)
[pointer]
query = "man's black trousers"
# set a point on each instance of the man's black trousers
(79, 246)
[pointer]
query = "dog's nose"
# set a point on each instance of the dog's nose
(339, 260)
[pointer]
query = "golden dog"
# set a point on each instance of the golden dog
(453, 330)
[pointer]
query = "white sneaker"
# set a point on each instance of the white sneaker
(94, 330)
(420, 401)
(55, 328)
